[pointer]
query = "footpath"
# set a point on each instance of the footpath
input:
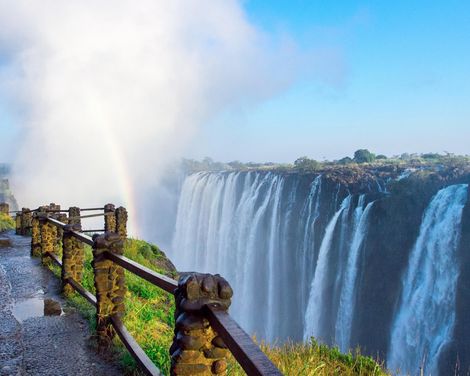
(39, 333)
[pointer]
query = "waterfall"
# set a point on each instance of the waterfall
(425, 317)
(314, 313)
(310, 213)
(303, 259)
(257, 229)
(344, 318)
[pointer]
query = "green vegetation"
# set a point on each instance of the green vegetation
(150, 319)
(6, 222)
(149, 310)
(306, 164)
(362, 158)
(301, 359)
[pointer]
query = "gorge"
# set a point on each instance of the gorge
(371, 257)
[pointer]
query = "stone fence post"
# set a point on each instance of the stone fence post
(196, 348)
(121, 222)
(18, 223)
(109, 218)
(36, 235)
(55, 231)
(4, 208)
(73, 257)
(26, 217)
(48, 239)
(73, 252)
(109, 284)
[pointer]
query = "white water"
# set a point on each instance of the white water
(315, 309)
(258, 231)
(344, 318)
(294, 250)
(426, 316)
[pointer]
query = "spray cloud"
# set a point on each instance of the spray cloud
(111, 91)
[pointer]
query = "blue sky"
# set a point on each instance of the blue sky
(405, 85)
(399, 82)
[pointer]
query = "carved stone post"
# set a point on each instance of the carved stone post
(197, 349)
(18, 223)
(109, 284)
(74, 214)
(4, 208)
(55, 230)
(36, 231)
(73, 252)
(47, 239)
(61, 217)
(73, 257)
(26, 217)
(121, 222)
(109, 218)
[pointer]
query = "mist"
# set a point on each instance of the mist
(107, 94)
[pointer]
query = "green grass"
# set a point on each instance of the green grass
(6, 222)
(149, 318)
(299, 359)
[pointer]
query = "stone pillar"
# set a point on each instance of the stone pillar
(74, 213)
(36, 231)
(47, 239)
(35, 237)
(73, 251)
(196, 348)
(109, 284)
(73, 256)
(18, 221)
(26, 217)
(61, 217)
(121, 222)
(4, 208)
(55, 230)
(109, 218)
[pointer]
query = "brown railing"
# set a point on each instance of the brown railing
(204, 332)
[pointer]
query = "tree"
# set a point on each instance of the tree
(306, 164)
(363, 156)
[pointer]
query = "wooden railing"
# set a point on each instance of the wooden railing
(204, 331)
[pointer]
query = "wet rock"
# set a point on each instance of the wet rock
(5, 242)
(52, 308)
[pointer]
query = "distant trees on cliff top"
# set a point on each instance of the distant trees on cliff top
(306, 164)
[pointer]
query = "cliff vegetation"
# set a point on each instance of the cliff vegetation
(150, 319)
(6, 222)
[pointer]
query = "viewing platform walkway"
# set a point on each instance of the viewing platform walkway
(39, 333)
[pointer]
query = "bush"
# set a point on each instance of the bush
(306, 164)
(6, 222)
(363, 156)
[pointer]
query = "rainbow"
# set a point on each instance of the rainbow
(126, 189)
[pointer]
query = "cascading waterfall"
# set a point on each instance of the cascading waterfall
(304, 259)
(310, 213)
(426, 315)
(259, 231)
(315, 308)
(351, 235)
(344, 318)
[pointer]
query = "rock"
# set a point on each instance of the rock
(5, 242)
(52, 308)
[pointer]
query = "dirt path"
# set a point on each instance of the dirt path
(34, 344)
